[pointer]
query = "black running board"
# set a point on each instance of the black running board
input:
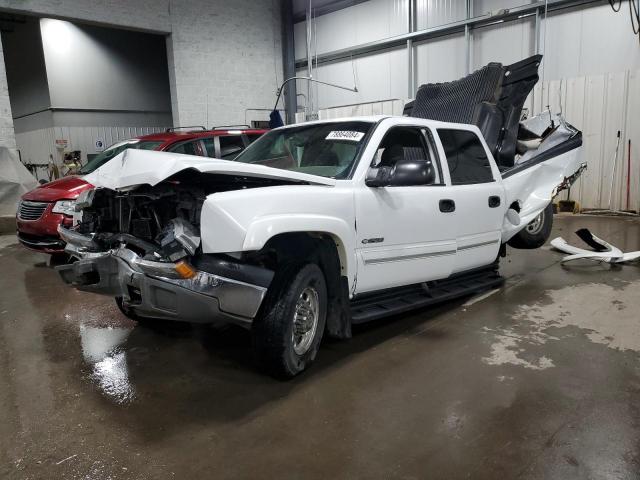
(368, 307)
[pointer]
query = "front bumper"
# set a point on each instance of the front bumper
(154, 290)
(41, 234)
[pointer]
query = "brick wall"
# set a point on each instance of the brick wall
(225, 58)
(223, 55)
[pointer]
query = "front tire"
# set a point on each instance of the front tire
(287, 335)
(126, 311)
(536, 233)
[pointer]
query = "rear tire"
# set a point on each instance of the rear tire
(536, 233)
(287, 334)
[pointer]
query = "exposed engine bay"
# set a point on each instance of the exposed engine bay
(160, 223)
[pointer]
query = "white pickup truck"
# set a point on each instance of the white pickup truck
(316, 226)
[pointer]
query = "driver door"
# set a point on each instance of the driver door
(405, 234)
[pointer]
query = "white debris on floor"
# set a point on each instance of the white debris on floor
(588, 307)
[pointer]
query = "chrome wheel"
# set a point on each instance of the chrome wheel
(535, 226)
(305, 320)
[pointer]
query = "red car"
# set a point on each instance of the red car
(41, 210)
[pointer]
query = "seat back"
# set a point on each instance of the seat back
(490, 98)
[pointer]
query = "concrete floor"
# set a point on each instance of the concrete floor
(540, 379)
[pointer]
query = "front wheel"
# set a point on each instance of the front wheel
(536, 233)
(287, 335)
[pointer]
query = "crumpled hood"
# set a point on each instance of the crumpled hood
(139, 167)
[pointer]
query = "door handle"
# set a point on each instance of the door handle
(447, 205)
(494, 201)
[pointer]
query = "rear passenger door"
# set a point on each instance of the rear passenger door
(478, 198)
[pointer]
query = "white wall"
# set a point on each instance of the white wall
(26, 74)
(96, 68)
(224, 56)
(361, 23)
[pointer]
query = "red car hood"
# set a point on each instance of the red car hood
(64, 188)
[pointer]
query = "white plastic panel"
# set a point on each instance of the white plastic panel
(431, 13)
(589, 41)
(505, 42)
(385, 107)
(378, 77)
(361, 23)
(441, 60)
(483, 7)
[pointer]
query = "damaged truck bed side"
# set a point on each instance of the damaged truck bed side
(318, 226)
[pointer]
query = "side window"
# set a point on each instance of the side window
(405, 143)
(466, 157)
(210, 146)
(191, 147)
(230, 146)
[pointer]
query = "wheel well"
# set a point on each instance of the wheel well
(324, 249)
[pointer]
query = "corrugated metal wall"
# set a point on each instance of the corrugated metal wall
(36, 146)
(600, 106)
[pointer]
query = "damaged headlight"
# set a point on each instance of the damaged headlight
(66, 207)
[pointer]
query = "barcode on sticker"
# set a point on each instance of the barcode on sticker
(345, 135)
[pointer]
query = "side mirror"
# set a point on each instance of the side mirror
(405, 173)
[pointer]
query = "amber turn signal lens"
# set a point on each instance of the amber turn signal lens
(185, 270)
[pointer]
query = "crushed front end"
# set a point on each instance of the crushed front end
(143, 247)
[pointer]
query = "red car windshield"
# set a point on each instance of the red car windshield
(114, 150)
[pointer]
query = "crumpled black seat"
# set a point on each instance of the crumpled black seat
(490, 98)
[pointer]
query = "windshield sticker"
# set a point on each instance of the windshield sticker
(345, 135)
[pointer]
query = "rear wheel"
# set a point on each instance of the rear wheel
(287, 335)
(536, 233)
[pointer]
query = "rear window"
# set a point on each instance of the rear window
(114, 150)
(466, 157)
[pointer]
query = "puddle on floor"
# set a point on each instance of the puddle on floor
(607, 315)
(102, 350)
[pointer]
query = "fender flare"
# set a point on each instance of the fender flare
(262, 229)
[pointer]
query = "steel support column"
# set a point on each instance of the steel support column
(411, 62)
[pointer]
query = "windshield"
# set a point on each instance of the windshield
(114, 150)
(325, 149)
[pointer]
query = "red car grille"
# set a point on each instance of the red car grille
(31, 210)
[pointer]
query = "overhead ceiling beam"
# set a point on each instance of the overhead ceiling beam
(481, 21)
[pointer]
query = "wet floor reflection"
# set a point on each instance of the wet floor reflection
(102, 349)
